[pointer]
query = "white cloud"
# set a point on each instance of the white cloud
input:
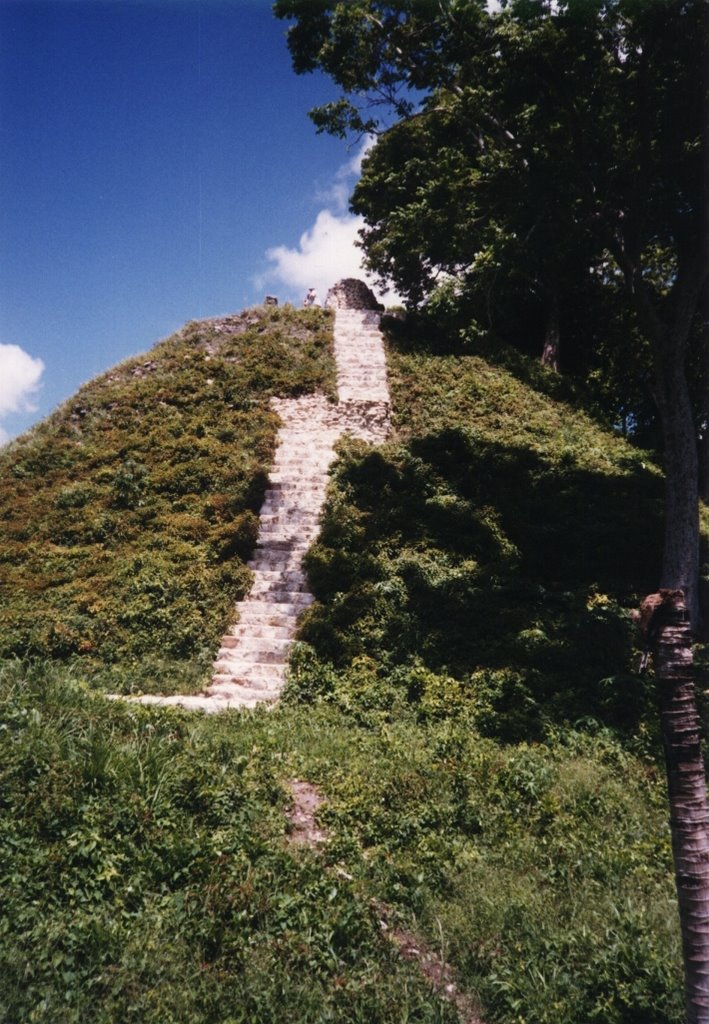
(338, 194)
(20, 375)
(326, 252)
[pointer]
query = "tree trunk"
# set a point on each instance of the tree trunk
(552, 335)
(671, 646)
(680, 558)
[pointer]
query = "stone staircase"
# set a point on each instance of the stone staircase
(360, 358)
(250, 665)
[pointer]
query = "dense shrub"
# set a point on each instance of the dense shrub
(145, 877)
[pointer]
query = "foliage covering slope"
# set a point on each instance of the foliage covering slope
(498, 542)
(463, 693)
(145, 876)
(126, 518)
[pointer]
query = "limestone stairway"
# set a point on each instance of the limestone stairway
(360, 358)
(250, 665)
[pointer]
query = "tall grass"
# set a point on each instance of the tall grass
(145, 874)
(463, 693)
(126, 518)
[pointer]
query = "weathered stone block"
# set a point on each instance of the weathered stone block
(351, 293)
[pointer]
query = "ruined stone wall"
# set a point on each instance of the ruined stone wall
(350, 293)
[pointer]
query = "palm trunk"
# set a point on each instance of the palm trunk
(689, 808)
(680, 556)
(552, 335)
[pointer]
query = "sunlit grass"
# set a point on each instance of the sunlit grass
(127, 517)
(464, 695)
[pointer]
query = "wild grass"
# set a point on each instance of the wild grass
(126, 518)
(464, 694)
(145, 874)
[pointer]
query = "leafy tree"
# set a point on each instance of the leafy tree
(556, 141)
(543, 144)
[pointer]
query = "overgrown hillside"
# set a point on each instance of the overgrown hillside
(464, 694)
(127, 517)
(498, 543)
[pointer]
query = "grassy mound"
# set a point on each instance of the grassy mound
(464, 693)
(497, 543)
(126, 518)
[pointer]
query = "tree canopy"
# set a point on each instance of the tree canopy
(556, 152)
(544, 163)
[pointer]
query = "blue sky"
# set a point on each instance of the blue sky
(157, 165)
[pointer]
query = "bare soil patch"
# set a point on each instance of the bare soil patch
(304, 831)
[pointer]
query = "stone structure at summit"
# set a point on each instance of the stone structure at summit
(250, 665)
(351, 293)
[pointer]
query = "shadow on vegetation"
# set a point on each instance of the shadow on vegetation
(484, 563)
(423, 334)
(577, 387)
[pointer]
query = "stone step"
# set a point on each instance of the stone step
(271, 564)
(305, 457)
(289, 500)
(262, 616)
(290, 515)
(311, 505)
(276, 564)
(263, 589)
(370, 357)
(291, 608)
(265, 578)
(252, 630)
(304, 465)
(282, 596)
(279, 535)
(258, 676)
(268, 543)
(261, 675)
(288, 530)
(248, 641)
(242, 656)
(290, 477)
(350, 394)
(231, 693)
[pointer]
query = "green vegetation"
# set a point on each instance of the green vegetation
(474, 578)
(145, 876)
(127, 517)
(499, 542)
(539, 175)
(463, 694)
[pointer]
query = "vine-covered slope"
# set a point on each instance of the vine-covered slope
(497, 543)
(464, 694)
(126, 518)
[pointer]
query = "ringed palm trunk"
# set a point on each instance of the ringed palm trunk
(552, 335)
(689, 808)
(680, 562)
